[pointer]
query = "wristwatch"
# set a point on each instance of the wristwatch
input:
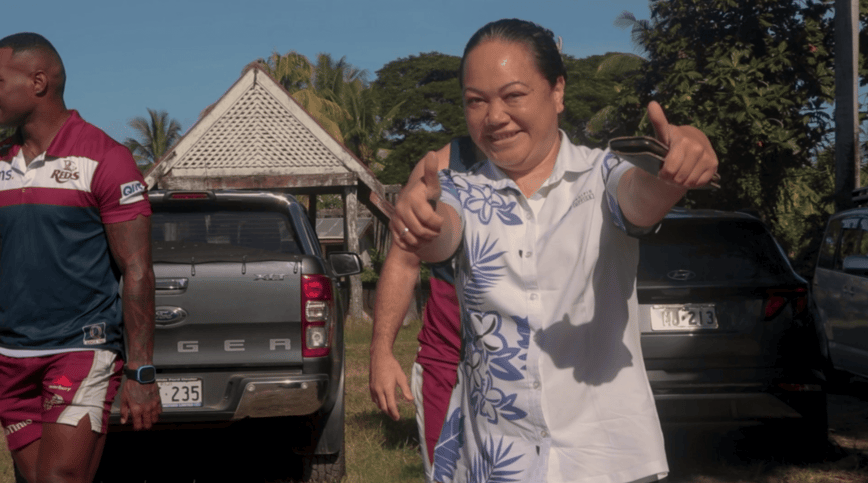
(143, 375)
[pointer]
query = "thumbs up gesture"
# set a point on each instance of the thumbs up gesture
(691, 161)
(416, 222)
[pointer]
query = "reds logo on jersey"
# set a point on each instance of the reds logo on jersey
(68, 173)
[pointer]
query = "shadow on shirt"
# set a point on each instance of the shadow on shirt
(595, 349)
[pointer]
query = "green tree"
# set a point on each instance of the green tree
(756, 77)
(590, 88)
(423, 96)
(336, 94)
(297, 75)
(156, 134)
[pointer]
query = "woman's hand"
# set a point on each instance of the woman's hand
(421, 224)
(691, 161)
(416, 223)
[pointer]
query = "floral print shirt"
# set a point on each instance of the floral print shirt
(551, 385)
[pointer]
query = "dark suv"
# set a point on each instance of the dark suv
(726, 336)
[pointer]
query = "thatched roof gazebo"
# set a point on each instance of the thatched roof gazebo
(257, 136)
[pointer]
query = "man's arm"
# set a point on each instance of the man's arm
(645, 199)
(394, 294)
(130, 245)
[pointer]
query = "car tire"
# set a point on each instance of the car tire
(323, 468)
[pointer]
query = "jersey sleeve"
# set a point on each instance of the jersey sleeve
(613, 169)
(119, 187)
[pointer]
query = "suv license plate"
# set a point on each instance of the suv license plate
(683, 317)
(180, 392)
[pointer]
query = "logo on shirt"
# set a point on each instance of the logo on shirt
(94, 334)
(132, 192)
(69, 172)
(62, 383)
(54, 400)
(17, 426)
(586, 196)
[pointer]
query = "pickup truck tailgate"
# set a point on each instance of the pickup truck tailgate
(228, 314)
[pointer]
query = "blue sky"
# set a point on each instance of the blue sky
(180, 56)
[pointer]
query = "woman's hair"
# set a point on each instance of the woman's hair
(539, 40)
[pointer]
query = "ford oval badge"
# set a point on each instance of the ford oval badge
(681, 275)
(169, 315)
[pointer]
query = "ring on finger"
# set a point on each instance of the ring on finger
(404, 232)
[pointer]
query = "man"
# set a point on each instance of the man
(434, 372)
(74, 218)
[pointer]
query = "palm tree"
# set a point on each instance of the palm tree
(298, 75)
(336, 94)
(156, 136)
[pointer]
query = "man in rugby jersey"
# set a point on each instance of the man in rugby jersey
(74, 218)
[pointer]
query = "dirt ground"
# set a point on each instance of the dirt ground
(759, 455)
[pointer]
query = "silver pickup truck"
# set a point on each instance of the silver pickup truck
(249, 321)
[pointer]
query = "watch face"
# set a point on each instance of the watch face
(147, 374)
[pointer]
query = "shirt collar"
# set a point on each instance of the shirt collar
(59, 146)
(66, 136)
(565, 163)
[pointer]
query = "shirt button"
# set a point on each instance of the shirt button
(544, 434)
(536, 384)
(528, 215)
(528, 254)
(534, 296)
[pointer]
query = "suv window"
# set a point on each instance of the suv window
(266, 231)
(850, 241)
(715, 250)
(826, 257)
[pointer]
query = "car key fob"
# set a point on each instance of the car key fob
(647, 153)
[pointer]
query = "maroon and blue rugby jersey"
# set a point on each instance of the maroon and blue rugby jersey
(58, 282)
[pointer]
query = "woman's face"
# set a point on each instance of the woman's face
(511, 109)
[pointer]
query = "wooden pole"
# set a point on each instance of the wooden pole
(846, 102)
(351, 236)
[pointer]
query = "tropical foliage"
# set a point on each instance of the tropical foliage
(156, 134)
(336, 94)
(5, 132)
(758, 78)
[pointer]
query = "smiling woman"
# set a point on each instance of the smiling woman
(551, 385)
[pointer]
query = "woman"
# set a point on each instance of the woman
(551, 385)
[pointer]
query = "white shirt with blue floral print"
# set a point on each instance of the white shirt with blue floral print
(551, 385)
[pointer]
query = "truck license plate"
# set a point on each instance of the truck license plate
(180, 392)
(683, 317)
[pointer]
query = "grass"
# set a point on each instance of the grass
(384, 451)
(379, 449)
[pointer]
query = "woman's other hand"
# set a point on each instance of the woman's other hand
(691, 161)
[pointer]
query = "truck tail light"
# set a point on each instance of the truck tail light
(318, 315)
(776, 300)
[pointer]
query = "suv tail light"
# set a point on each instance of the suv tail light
(317, 315)
(776, 300)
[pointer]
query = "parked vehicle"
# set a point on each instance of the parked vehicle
(249, 320)
(840, 287)
(726, 336)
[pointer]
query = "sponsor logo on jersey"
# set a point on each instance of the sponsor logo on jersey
(54, 400)
(62, 383)
(17, 426)
(94, 334)
(68, 173)
(132, 192)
